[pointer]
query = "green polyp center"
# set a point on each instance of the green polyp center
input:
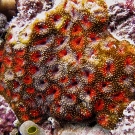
(32, 130)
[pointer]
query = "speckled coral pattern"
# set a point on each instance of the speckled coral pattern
(66, 65)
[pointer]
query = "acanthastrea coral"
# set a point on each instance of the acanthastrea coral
(64, 64)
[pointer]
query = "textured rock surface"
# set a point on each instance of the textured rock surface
(127, 124)
(122, 20)
(3, 22)
(7, 117)
(82, 130)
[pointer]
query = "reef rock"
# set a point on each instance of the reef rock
(126, 126)
(7, 117)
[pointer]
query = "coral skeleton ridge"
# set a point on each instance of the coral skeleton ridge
(66, 65)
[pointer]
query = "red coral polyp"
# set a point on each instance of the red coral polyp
(78, 56)
(19, 70)
(33, 69)
(88, 74)
(54, 90)
(129, 61)
(85, 113)
(25, 117)
(91, 92)
(16, 84)
(71, 97)
(113, 108)
(39, 28)
(93, 37)
(16, 97)
(41, 42)
(77, 43)
(22, 108)
(103, 120)
(62, 53)
(34, 113)
(1, 88)
(27, 80)
(104, 87)
(86, 21)
(64, 28)
(19, 61)
(60, 41)
(64, 79)
(99, 105)
(20, 53)
(35, 56)
(73, 83)
(30, 90)
(119, 96)
(108, 69)
(77, 30)
(56, 17)
(7, 61)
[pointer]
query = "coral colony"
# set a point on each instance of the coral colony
(64, 64)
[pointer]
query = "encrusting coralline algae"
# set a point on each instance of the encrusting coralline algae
(7, 117)
(122, 20)
(65, 63)
(126, 126)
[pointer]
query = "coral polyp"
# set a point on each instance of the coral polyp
(66, 65)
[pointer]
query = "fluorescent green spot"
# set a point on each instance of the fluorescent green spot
(32, 130)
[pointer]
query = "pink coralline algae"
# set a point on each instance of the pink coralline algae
(29, 9)
(7, 117)
(65, 64)
(127, 124)
(122, 20)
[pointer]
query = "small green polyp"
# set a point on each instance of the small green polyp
(32, 130)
